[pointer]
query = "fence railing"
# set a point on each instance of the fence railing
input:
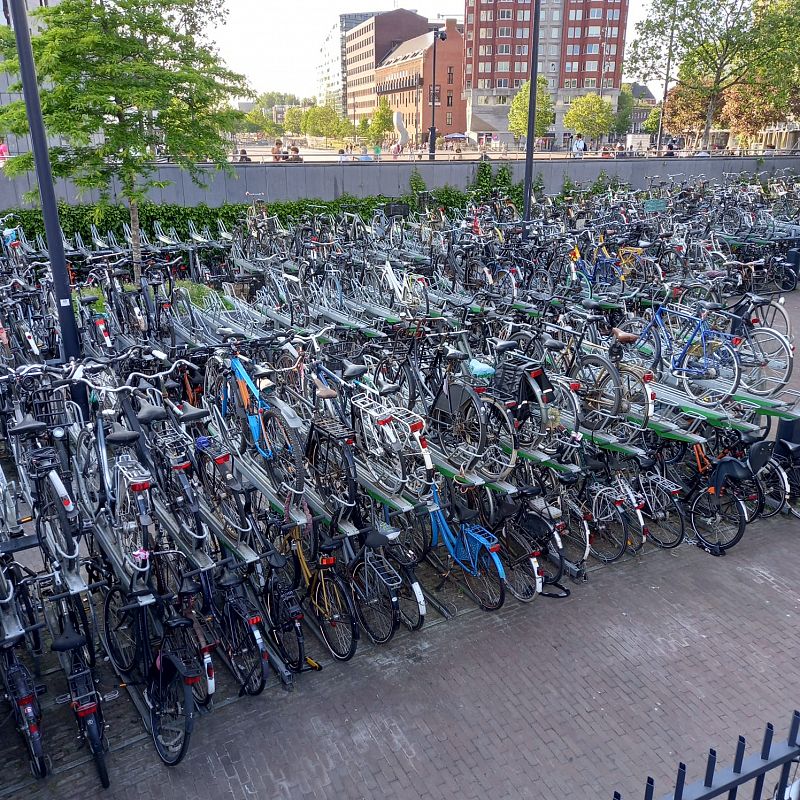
(752, 769)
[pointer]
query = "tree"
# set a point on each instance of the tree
(381, 122)
(518, 112)
(625, 103)
(363, 128)
(749, 107)
(120, 80)
(590, 115)
(320, 121)
(293, 119)
(716, 44)
(268, 100)
(345, 129)
(258, 121)
(685, 112)
(650, 125)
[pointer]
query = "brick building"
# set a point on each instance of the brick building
(405, 79)
(581, 46)
(366, 46)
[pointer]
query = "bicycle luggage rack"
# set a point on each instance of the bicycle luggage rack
(751, 770)
(127, 578)
(198, 558)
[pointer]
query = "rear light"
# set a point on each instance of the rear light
(210, 671)
(560, 526)
(33, 729)
(66, 501)
(350, 440)
(99, 322)
(755, 321)
(423, 442)
(494, 548)
(25, 701)
(255, 619)
(87, 710)
(675, 492)
(619, 502)
(166, 305)
(417, 426)
(327, 561)
(574, 386)
(587, 516)
(184, 465)
(480, 389)
(648, 377)
(645, 532)
(191, 680)
(511, 403)
(737, 340)
(676, 291)
(140, 486)
(299, 616)
(534, 554)
(208, 648)
(385, 420)
(222, 459)
(640, 505)
(540, 572)
(535, 373)
(653, 396)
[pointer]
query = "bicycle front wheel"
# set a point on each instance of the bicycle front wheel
(247, 656)
(336, 616)
(718, 524)
(94, 735)
(375, 605)
(485, 582)
(520, 567)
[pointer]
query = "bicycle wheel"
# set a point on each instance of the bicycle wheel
(709, 374)
(246, 655)
(287, 630)
(486, 585)
(772, 314)
(775, 484)
(336, 617)
(334, 472)
(171, 714)
(410, 600)
(119, 628)
(520, 567)
(94, 736)
(460, 434)
(766, 360)
(500, 446)
(751, 494)
(663, 515)
(375, 604)
(609, 528)
(719, 524)
(601, 390)
(87, 472)
(285, 462)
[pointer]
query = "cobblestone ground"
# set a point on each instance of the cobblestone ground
(651, 661)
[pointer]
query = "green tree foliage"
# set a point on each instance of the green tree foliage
(590, 115)
(363, 128)
(650, 125)
(518, 111)
(716, 44)
(119, 80)
(320, 121)
(345, 129)
(625, 103)
(293, 120)
(268, 100)
(259, 121)
(381, 122)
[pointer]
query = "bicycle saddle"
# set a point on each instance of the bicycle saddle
(758, 454)
(453, 354)
(260, 371)
(88, 299)
(276, 560)
(177, 622)
(189, 586)
(69, 640)
(708, 306)
(351, 370)
(793, 448)
(554, 344)
(463, 514)
(120, 436)
(592, 305)
(28, 427)
(230, 580)
(715, 273)
(505, 346)
(385, 388)
(568, 478)
(506, 510)
(191, 414)
(751, 437)
(148, 413)
(645, 462)
(529, 491)
(374, 538)
(624, 337)
(330, 546)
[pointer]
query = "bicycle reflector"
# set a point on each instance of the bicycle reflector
(417, 426)
(255, 619)
(191, 680)
(85, 710)
(327, 561)
(494, 548)
(574, 386)
(737, 340)
(223, 458)
(385, 420)
(140, 486)
(648, 377)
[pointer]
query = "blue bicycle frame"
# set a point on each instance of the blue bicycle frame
(253, 420)
(465, 547)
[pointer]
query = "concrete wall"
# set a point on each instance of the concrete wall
(389, 178)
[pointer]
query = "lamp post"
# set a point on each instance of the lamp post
(530, 142)
(44, 176)
(437, 35)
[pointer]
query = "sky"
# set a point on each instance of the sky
(276, 45)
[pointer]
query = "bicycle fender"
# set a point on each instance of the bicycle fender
(288, 413)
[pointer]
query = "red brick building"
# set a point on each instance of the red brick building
(405, 79)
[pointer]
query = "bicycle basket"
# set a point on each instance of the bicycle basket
(49, 406)
(396, 210)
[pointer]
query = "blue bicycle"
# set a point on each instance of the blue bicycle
(470, 546)
(702, 360)
(604, 274)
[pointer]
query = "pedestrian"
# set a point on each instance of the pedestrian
(294, 154)
(243, 157)
(578, 146)
(377, 152)
(276, 150)
(341, 155)
(365, 156)
(4, 152)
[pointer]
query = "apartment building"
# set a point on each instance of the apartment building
(366, 46)
(331, 74)
(405, 78)
(581, 46)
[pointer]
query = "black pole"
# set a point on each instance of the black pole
(55, 247)
(432, 129)
(530, 142)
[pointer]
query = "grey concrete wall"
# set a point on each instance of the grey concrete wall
(391, 178)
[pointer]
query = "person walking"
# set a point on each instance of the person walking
(578, 146)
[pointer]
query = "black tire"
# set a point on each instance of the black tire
(170, 725)
(664, 517)
(600, 392)
(334, 471)
(81, 623)
(519, 566)
(609, 528)
(775, 485)
(87, 472)
(94, 736)
(287, 466)
(336, 616)
(120, 629)
(751, 493)
(245, 656)
(547, 540)
(287, 632)
(410, 613)
(487, 587)
(376, 606)
(719, 525)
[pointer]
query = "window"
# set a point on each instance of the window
(483, 100)
(523, 15)
(593, 30)
(589, 83)
(485, 50)
(449, 99)
(503, 66)
(450, 75)
(518, 82)
(485, 33)
(504, 33)
(523, 33)
(609, 66)
(449, 119)
(570, 66)
(540, 66)
(611, 49)
(589, 66)
(554, 33)
(469, 84)
(520, 66)
(556, 15)
(469, 68)
(521, 50)
(484, 83)
(573, 49)
(592, 49)
(612, 33)
(502, 83)
(485, 66)
(505, 13)
(487, 16)
(553, 49)
(438, 90)
(612, 13)
(608, 83)
(470, 18)
(575, 14)
(553, 67)
(573, 33)
(469, 52)
(596, 13)
(504, 49)
(566, 99)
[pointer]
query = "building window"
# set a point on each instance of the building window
(504, 49)
(504, 33)
(524, 15)
(449, 119)
(485, 66)
(612, 33)
(556, 15)
(518, 82)
(608, 83)
(575, 14)
(589, 83)
(596, 13)
(589, 66)
(486, 50)
(520, 66)
(573, 33)
(592, 49)
(521, 50)
(570, 66)
(469, 52)
(469, 84)
(469, 68)
(612, 13)
(450, 75)
(523, 33)
(470, 18)
(504, 13)
(484, 83)
(487, 16)
(553, 67)
(573, 49)
(611, 49)
(553, 50)
(609, 66)
(593, 30)
(502, 83)
(485, 33)
(503, 66)
(449, 98)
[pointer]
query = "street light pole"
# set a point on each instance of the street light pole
(666, 78)
(66, 316)
(530, 141)
(437, 35)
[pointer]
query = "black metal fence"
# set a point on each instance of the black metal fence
(746, 772)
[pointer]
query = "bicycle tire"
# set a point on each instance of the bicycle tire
(333, 609)
(245, 655)
(410, 599)
(717, 525)
(499, 453)
(285, 441)
(287, 632)
(94, 736)
(661, 512)
(376, 606)
(726, 363)
(600, 392)
(116, 625)
(775, 483)
(521, 570)
(486, 587)
(171, 740)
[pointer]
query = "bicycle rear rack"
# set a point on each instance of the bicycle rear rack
(385, 571)
(332, 428)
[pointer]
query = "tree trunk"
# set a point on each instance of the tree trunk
(712, 107)
(136, 241)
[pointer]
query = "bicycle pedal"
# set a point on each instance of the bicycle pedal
(311, 664)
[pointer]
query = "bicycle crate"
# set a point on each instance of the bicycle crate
(42, 461)
(396, 210)
(49, 406)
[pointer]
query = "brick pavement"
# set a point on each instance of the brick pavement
(652, 660)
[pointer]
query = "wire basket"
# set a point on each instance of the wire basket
(49, 406)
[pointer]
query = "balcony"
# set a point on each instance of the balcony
(398, 84)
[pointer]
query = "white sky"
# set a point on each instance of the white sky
(276, 45)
